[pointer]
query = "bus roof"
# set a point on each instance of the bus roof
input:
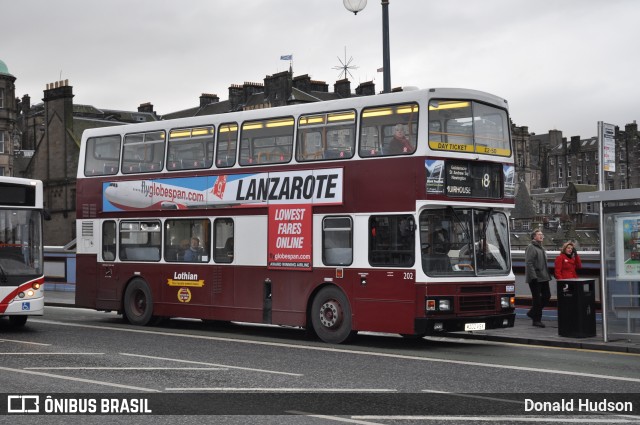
(347, 103)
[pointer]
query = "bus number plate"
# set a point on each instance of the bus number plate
(474, 326)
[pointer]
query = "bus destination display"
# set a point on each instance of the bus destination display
(17, 195)
(478, 180)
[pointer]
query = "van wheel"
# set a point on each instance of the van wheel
(138, 303)
(331, 316)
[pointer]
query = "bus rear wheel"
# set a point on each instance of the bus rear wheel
(138, 303)
(331, 316)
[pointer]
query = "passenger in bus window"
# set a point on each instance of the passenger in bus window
(194, 253)
(399, 144)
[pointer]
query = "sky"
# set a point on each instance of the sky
(561, 64)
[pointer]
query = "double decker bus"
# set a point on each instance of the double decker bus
(21, 266)
(384, 213)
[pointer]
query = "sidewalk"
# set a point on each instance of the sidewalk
(521, 333)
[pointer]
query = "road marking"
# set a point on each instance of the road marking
(523, 346)
(212, 364)
(44, 353)
(503, 400)
(350, 351)
(289, 390)
(496, 419)
(69, 378)
(333, 418)
(123, 368)
(24, 342)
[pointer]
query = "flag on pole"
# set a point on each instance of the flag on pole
(286, 57)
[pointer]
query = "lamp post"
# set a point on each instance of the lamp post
(356, 6)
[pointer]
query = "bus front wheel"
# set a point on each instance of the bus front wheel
(17, 321)
(138, 303)
(331, 316)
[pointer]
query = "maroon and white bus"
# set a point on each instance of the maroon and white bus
(384, 213)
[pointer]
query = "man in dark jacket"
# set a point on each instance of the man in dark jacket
(537, 276)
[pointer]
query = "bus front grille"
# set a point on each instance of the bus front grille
(475, 289)
(477, 302)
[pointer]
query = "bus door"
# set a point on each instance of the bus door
(107, 278)
(222, 282)
(385, 293)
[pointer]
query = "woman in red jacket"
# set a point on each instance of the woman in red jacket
(567, 262)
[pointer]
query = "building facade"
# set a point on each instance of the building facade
(9, 132)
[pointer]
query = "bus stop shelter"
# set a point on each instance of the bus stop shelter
(619, 261)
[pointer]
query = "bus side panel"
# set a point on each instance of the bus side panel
(248, 294)
(290, 292)
(86, 280)
(383, 300)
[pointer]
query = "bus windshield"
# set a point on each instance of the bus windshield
(459, 241)
(465, 126)
(20, 243)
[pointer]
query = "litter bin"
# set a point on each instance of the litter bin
(576, 308)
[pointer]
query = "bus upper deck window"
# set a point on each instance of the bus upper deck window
(389, 130)
(327, 136)
(102, 156)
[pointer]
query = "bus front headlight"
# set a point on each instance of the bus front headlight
(444, 305)
(507, 301)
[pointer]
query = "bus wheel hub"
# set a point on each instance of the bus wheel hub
(329, 315)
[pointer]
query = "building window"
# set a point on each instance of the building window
(578, 171)
(559, 172)
(2, 139)
(623, 168)
(552, 161)
(569, 172)
(1, 171)
(623, 185)
(1, 98)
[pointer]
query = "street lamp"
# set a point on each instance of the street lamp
(356, 6)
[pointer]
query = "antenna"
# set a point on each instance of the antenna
(345, 66)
